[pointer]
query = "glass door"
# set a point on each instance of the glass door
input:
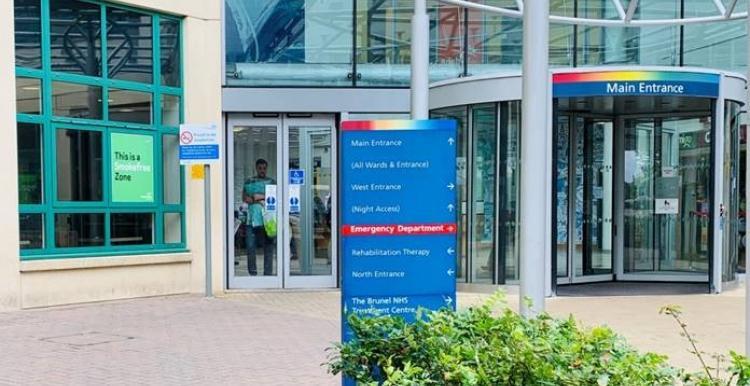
(667, 182)
(282, 198)
(585, 196)
(310, 242)
(254, 146)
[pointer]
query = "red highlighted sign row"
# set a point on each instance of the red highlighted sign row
(398, 229)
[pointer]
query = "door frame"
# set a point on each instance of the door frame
(283, 278)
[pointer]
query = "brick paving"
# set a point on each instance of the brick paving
(278, 338)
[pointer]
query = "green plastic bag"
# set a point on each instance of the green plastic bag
(269, 223)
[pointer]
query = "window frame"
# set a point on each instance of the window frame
(49, 123)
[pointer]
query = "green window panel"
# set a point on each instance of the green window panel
(97, 116)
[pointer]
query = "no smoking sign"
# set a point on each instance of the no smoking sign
(199, 144)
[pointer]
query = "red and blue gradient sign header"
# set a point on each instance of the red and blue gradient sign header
(398, 124)
(616, 83)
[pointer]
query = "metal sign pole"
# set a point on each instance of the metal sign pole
(207, 225)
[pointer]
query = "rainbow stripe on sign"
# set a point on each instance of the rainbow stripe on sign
(398, 124)
(603, 83)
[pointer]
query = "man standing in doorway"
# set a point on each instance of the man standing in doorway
(254, 194)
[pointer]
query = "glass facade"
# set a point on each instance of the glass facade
(98, 163)
(488, 182)
(366, 43)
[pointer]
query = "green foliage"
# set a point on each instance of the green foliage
(479, 347)
(736, 373)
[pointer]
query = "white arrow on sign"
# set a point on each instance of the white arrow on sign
(450, 272)
(450, 186)
(450, 207)
(451, 141)
(450, 250)
(448, 300)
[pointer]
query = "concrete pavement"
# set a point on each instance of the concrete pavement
(279, 338)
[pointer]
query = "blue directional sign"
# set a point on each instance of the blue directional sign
(398, 217)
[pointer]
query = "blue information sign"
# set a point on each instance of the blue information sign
(398, 217)
(296, 177)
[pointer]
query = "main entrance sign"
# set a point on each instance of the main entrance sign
(622, 83)
(398, 216)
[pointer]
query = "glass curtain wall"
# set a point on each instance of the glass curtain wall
(488, 183)
(366, 43)
(461, 115)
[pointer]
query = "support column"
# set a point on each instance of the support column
(420, 51)
(534, 128)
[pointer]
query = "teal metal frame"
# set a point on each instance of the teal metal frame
(49, 123)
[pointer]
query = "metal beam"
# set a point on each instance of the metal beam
(720, 7)
(627, 21)
(730, 8)
(620, 10)
(631, 11)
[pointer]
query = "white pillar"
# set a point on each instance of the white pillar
(420, 60)
(534, 163)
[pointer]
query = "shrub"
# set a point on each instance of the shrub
(475, 347)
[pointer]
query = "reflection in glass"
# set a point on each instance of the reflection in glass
(716, 45)
(129, 106)
(29, 163)
(384, 35)
(255, 168)
(76, 37)
(131, 228)
(562, 186)
(509, 185)
(28, 36)
(79, 165)
(76, 100)
(79, 230)
(484, 163)
(32, 230)
(460, 114)
(668, 162)
(596, 203)
(169, 48)
(282, 42)
(310, 226)
(170, 146)
(129, 45)
(730, 222)
(170, 110)
(495, 42)
(28, 95)
(172, 228)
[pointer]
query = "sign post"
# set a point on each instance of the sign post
(199, 144)
(399, 218)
